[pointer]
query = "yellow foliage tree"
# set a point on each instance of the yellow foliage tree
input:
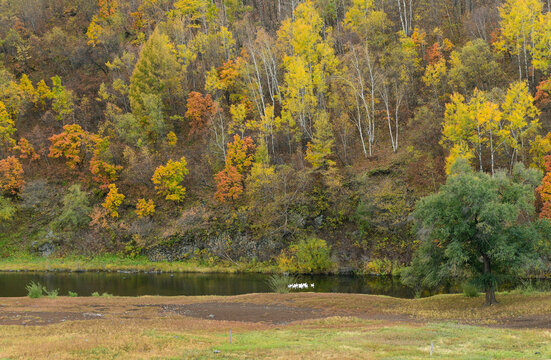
(43, 93)
(193, 11)
(369, 23)
(518, 24)
(458, 151)
(520, 117)
(103, 171)
(309, 62)
(62, 99)
(470, 127)
(168, 179)
(541, 50)
(113, 201)
(320, 149)
(7, 128)
(238, 114)
(486, 127)
(539, 148)
(27, 88)
(145, 208)
(171, 138)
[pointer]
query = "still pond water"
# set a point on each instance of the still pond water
(136, 284)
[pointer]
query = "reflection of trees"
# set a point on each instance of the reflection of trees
(134, 284)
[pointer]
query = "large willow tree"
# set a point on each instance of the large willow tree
(477, 227)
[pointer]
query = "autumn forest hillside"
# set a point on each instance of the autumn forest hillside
(259, 130)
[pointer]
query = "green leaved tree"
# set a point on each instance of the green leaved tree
(477, 227)
(155, 86)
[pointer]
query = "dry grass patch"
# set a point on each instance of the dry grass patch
(138, 328)
(458, 307)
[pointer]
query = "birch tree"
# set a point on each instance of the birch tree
(399, 66)
(364, 75)
(309, 62)
(518, 22)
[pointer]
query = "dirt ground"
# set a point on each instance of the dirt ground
(19, 312)
(276, 309)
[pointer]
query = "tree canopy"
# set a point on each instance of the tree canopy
(240, 128)
(477, 227)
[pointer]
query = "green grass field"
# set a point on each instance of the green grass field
(120, 263)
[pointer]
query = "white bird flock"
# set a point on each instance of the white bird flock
(300, 286)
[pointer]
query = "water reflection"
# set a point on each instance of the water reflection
(136, 284)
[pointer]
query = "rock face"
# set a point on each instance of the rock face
(173, 249)
(45, 249)
(224, 245)
(47, 246)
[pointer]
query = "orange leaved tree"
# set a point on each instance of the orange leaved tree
(199, 109)
(229, 184)
(71, 144)
(26, 150)
(544, 191)
(11, 176)
(239, 161)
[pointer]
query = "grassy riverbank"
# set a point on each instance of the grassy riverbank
(330, 326)
(117, 263)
